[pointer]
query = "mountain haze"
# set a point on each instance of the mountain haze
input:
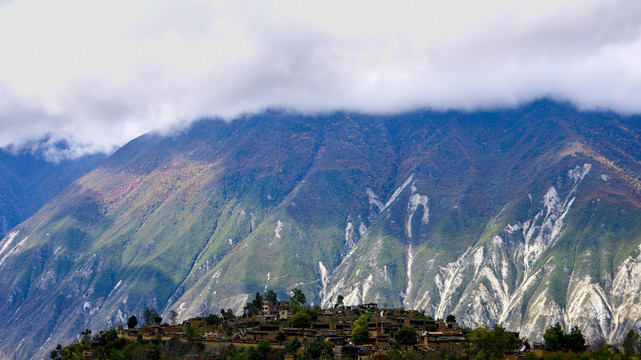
(524, 216)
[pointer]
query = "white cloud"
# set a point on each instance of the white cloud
(99, 73)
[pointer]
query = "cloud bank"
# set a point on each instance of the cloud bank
(99, 73)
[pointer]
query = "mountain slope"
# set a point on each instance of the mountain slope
(525, 216)
(28, 181)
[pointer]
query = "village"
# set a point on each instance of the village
(335, 326)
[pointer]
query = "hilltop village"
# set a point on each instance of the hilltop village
(276, 329)
(272, 329)
(335, 326)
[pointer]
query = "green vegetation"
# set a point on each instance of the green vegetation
(191, 333)
(301, 320)
(227, 314)
(151, 316)
(490, 343)
(406, 335)
(304, 317)
(213, 319)
(107, 343)
(557, 340)
(360, 333)
(292, 345)
(261, 352)
(318, 349)
(298, 297)
(431, 328)
(254, 307)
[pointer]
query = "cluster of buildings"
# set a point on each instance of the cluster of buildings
(334, 325)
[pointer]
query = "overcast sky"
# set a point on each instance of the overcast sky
(99, 73)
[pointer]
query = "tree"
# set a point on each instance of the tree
(157, 319)
(292, 345)
(250, 309)
(450, 318)
(406, 335)
(228, 314)
(149, 315)
(339, 300)
(260, 352)
(212, 319)
(360, 334)
(173, 315)
(318, 349)
(191, 333)
(109, 338)
(74, 351)
(430, 328)
(53, 355)
(298, 297)
(86, 336)
(258, 301)
(264, 348)
(574, 341)
(484, 343)
(280, 337)
(554, 338)
(302, 320)
(313, 313)
(270, 295)
(57, 353)
(254, 307)
(132, 322)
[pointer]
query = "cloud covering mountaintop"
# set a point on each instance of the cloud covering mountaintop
(98, 73)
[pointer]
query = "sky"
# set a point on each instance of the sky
(96, 74)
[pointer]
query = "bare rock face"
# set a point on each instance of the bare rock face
(525, 217)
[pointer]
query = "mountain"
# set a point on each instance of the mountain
(28, 181)
(524, 216)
